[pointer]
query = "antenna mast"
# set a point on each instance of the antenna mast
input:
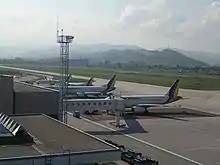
(64, 41)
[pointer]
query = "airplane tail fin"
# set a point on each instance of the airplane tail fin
(89, 83)
(111, 84)
(174, 90)
(69, 77)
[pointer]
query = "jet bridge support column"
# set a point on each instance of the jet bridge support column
(117, 118)
(118, 108)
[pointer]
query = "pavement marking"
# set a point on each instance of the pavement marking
(142, 141)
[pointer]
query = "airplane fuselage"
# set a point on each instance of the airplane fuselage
(47, 82)
(55, 83)
(131, 101)
(76, 84)
(85, 89)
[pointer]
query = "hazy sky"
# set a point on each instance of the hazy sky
(186, 24)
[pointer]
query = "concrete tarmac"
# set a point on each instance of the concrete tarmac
(196, 138)
(164, 158)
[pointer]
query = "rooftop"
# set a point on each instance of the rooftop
(51, 136)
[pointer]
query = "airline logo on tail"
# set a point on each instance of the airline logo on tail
(174, 90)
(110, 86)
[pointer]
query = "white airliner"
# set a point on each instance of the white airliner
(88, 83)
(146, 101)
(86, 91)
(47, 82)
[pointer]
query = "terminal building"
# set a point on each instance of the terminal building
(30, 133)
(22, 98)
(39, 139)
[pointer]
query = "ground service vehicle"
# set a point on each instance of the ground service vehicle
(133, 158)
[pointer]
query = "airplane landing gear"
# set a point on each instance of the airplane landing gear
(133, 109)
(146, 110)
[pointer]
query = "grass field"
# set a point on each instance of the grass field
(188, 81)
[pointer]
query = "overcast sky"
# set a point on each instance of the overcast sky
(185, 24)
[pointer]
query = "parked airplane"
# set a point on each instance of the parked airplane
(88, 83)
(146, 101)
(49, 82)
(87, 91)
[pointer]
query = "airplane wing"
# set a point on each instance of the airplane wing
(91, 94)
(88, 93)
(151, 105)
(85, 96)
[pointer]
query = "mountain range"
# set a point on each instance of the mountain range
(207, 57)
(167, 57)
(122, 53)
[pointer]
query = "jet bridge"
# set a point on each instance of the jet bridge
(88, 106)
